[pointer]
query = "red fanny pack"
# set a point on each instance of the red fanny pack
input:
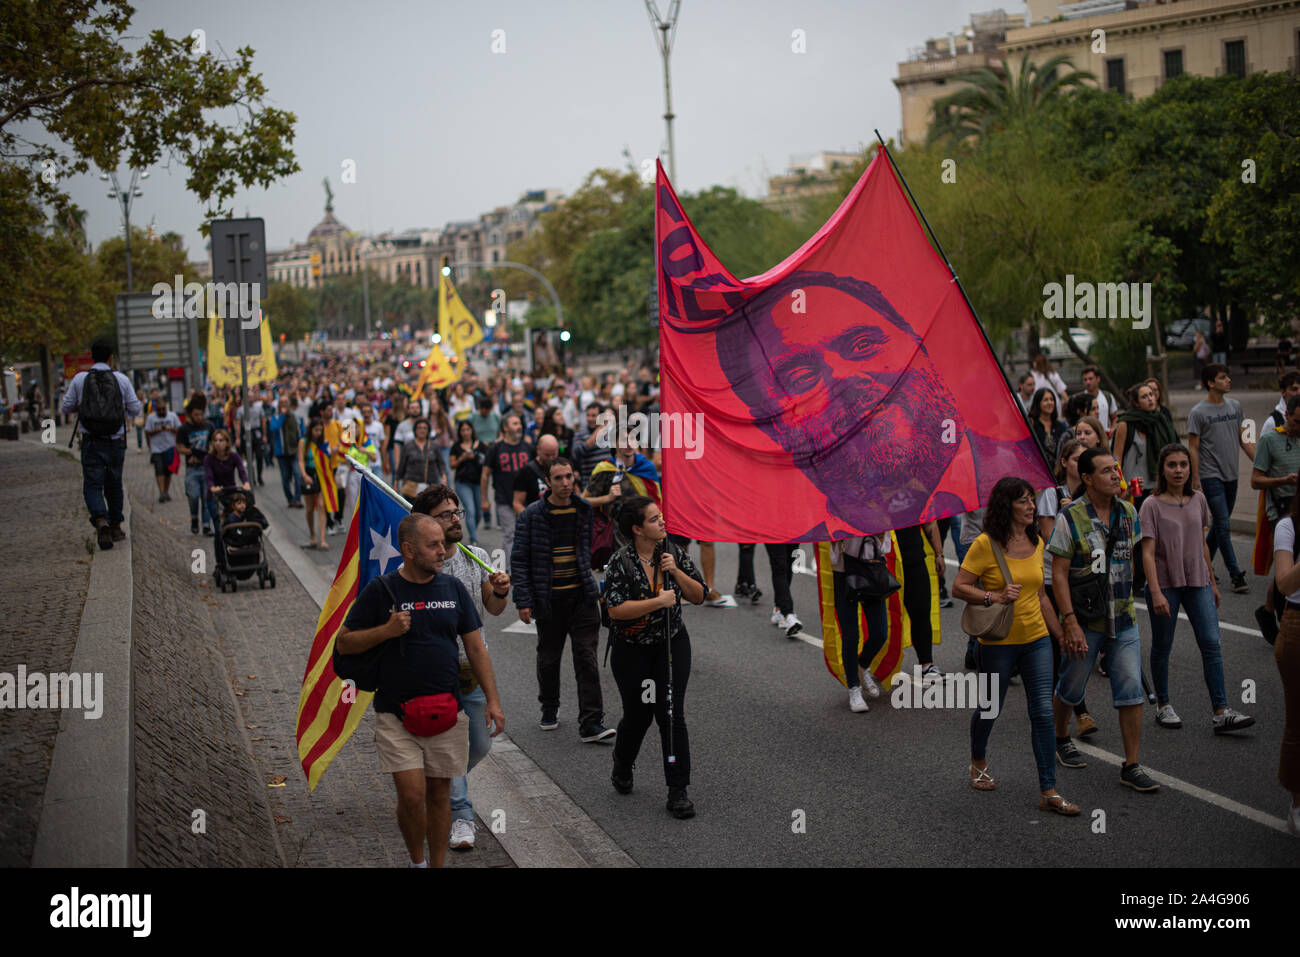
(430, 714)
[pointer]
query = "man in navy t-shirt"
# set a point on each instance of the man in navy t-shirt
(425, 611)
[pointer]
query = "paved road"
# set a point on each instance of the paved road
(771, 735)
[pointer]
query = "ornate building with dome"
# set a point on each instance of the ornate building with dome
(331, 249)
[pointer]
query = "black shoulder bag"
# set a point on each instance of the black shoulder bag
(1090, 593)
(868, 579)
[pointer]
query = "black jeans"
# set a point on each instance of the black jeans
(745, 574)
(846, 612)
(919, 604)
(633, 665)
(579, 617)
(101, 477)
(779, 556)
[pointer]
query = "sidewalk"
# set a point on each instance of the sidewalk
(216, 683)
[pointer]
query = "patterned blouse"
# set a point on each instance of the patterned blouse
(625, 580)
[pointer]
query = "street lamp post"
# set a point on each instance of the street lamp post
(667, 33)
(124, 198)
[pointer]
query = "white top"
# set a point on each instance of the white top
(164, 440)
(1284, 541)
(1104, 409)
(863, 546)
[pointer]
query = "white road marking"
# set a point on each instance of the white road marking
(1223, 625)
(1167, 780)
(1218, 800)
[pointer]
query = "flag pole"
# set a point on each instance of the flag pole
(383, 486)
(969, 305)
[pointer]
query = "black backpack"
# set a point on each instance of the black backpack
(363, 669)
(101, 411)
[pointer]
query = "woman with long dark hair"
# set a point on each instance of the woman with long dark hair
(1048, 429)
(553, 424)
(313, 449)
(1140, 435)
(468, 458)
(1009, 530)
(1176, 519)
(643, 596)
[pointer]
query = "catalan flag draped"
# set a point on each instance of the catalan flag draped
(887, 661)
(320, 459)
(327, 715)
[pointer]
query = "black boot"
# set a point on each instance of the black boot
(622, 777)
(679, 805)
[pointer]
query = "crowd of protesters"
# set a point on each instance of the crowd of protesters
(543, 461)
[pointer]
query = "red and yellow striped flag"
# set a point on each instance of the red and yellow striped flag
(325, 476)
(326, 715)
(890, 657)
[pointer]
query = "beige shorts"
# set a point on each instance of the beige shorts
(444, 755)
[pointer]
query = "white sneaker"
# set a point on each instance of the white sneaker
(855, 701)
(930, 674)
(777, 618)
(1293, 821)
(462, 835)
(1167, 717)
(792, 625)
(869, 686)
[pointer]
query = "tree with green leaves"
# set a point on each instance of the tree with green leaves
(991, 101)
(73, 94)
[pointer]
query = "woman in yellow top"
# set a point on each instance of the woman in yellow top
(1009, 521)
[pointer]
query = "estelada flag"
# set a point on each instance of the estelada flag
(437, 370)
(846, 391)
(643, 477)
(456, 324)
(888, 660)
(328, 710)
(320, 460)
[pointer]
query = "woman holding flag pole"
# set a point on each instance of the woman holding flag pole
(650, 649)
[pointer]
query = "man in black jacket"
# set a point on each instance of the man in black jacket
(550, 566)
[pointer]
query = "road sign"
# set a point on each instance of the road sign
(239, 256)
(146, 342)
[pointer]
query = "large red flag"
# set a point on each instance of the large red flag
(846, 391)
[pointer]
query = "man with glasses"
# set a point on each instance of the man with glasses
(489, 592)
(1099, 534)
(550, 566)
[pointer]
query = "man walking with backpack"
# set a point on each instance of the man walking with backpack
(102, 399)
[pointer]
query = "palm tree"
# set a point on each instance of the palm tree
(993, 101)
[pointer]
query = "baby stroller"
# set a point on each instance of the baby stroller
(240, 550)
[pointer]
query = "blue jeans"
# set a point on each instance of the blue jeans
(289, 479)
(1199, 605)
(480, 743)
(1123, 664)
(471, 501)
(1035, 663)
(101, 477)
(1221, 496)
(196, 493)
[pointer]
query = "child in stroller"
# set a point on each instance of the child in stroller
(238, 541)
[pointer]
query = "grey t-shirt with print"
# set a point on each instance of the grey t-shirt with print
(1219, 427)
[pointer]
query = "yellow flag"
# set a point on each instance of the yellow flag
(224, 369)
(456, 324)
(437, 370)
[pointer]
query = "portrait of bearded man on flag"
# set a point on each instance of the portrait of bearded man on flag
(858, 404)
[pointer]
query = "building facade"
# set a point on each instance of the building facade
(1142, 44)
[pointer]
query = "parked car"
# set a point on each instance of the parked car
(1181, 333)
(1056, 348)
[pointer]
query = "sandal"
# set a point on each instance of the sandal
(1058, 804)
(984, 781)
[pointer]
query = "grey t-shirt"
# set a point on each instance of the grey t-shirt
(1219, 427)
(972, 526)
(472, 576)
(163, 440)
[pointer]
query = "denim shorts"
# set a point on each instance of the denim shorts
(1123, 663)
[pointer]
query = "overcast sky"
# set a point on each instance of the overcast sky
(441, 128)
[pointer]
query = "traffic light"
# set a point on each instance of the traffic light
(446, 265)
